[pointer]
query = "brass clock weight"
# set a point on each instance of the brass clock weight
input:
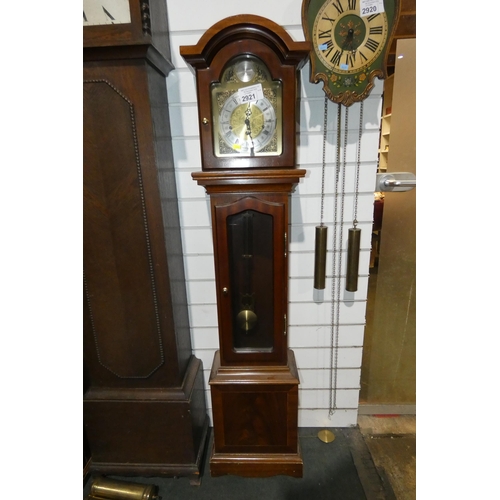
(350, 41)
(247, 70)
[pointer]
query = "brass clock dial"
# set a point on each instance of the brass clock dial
(103, 12)
(246, 110)
(350, 40)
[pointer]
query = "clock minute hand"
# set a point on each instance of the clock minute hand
(248, 113)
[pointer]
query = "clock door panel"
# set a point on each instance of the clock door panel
(126, 332)
(252, 282)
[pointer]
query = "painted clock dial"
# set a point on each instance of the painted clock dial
(350, 40)
(103, 12)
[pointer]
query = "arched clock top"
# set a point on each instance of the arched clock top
(245, 27)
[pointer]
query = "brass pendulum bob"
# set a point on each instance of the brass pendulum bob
(353, 245)
(246, 318)
(326, 436)
(320, 257)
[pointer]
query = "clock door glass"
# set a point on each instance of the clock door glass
(250, 246)
(246, 109)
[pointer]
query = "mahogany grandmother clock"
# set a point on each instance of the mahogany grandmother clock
(247, 78)
(144, 403)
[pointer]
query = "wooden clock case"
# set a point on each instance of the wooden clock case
(144, 406)
(254, 391)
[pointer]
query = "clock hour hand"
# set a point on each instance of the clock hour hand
(347, 45)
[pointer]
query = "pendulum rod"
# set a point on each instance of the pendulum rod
(354, 237)
(321, 230)
(337, 256)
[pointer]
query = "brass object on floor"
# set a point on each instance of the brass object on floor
(326, 436)
(112, 489)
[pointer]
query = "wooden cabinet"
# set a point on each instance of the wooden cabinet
(144, 404)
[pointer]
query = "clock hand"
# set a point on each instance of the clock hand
(248, 113)
(347, 45)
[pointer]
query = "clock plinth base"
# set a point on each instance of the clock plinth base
(255, 411)
(148, 432)
(256, 464)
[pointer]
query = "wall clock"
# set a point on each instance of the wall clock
(350, 41)
(144, 407)
(247, 78)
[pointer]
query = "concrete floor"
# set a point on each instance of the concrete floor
(391, 441)
(374, 461)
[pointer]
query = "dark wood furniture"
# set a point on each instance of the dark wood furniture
(254, 380)
(144, 407)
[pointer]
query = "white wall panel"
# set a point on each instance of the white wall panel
(312, 114)
(195, 213)
(188, 15)
(196, 242)
(205, 338)
(302, 289)
(320, 336)
(186, 187)
(308, 208)
(199, 267)
(347, 378)
(181, 87)
(185, 119)
(186, 151)
(203, 315)
(321, 418)
(310, 147)
(348, 357)
(201, 292)
(312, 183)
(320, 314)
(320, 398)
(302, 236)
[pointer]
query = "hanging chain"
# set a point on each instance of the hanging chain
(358, 163)
(334, 323)
(323, 166)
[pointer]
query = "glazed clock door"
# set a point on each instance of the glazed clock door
(252, 280)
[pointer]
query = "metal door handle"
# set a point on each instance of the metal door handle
(395, 181)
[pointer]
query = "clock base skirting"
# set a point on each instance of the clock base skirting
(159, 433)
(256, 464)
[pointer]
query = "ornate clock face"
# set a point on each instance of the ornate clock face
(246, 110)
(102, 12)
(349, 38)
